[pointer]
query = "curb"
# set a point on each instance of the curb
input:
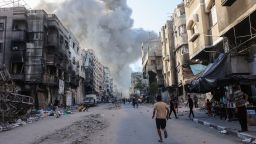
(246, 138)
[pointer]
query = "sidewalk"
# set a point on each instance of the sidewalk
(231, 127)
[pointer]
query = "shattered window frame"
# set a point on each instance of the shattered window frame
(1, 47)
(2, 27)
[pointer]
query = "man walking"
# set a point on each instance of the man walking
(240, 99)
(172, 107)
(161, 110)
(190, 104)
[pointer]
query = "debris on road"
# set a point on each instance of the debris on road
(78, 132)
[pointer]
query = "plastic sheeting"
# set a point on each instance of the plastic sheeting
(217, 74)
(197, 68)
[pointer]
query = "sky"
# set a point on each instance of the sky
(150, 15)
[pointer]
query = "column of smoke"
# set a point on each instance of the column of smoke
(106, 27)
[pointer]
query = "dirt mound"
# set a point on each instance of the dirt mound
(77, 133)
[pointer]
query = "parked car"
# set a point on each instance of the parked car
(90, 100)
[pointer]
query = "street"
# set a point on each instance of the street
(107, 125)
(135, 126)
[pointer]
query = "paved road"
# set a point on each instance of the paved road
(125, 126)
(135, 126)
(32, 132)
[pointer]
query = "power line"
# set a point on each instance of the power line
(14, 3)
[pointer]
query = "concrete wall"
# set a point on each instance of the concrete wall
(230, 16)
(196, 18)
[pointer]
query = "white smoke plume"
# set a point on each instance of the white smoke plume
(106, 27)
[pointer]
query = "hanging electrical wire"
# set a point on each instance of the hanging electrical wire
(14, 3)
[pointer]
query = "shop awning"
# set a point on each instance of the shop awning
(207, 80)
(217, 74)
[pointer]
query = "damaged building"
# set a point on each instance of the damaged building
(42, 56)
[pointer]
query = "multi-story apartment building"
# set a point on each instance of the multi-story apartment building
(138, 84)
(168, 57)
(94, 71)
(89, 57)
(226, 26)
(152, 62)
(203, 33)
(98, 78)
(181, 48)
(34, 48)
(76, 73)
(236, 24)
(108, 85)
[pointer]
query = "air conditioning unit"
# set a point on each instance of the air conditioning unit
(227, 2)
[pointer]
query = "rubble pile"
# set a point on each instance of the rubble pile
(35, 115)
(77, 133)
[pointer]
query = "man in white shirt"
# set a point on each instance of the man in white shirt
(162, 112)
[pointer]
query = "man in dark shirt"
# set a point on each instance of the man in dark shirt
(172, 107)
(190, 104)
(240, 99)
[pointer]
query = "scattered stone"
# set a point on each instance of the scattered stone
(77, 133)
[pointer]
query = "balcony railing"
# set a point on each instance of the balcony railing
(19, 35)
(16, 98)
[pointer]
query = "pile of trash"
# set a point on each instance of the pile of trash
(35, 115)
(19, 122)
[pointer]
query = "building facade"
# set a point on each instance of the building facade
(152, 63)
(39, 53)
(181, 49)
(94, 72)
(168, 49)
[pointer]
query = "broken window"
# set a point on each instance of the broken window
(1, 26)
(66, 44)
(1, 47)
(74, 45)
(73, 61)
(19, 25)
(61, 39)
(182, 29)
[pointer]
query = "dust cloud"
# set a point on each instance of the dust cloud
(106, 27)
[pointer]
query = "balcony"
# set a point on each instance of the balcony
(19, 35)
(227, 2)
(18, 57)
(53, 40)
(19, 13)
(50, 80)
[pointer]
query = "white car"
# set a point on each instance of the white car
(90, 100)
